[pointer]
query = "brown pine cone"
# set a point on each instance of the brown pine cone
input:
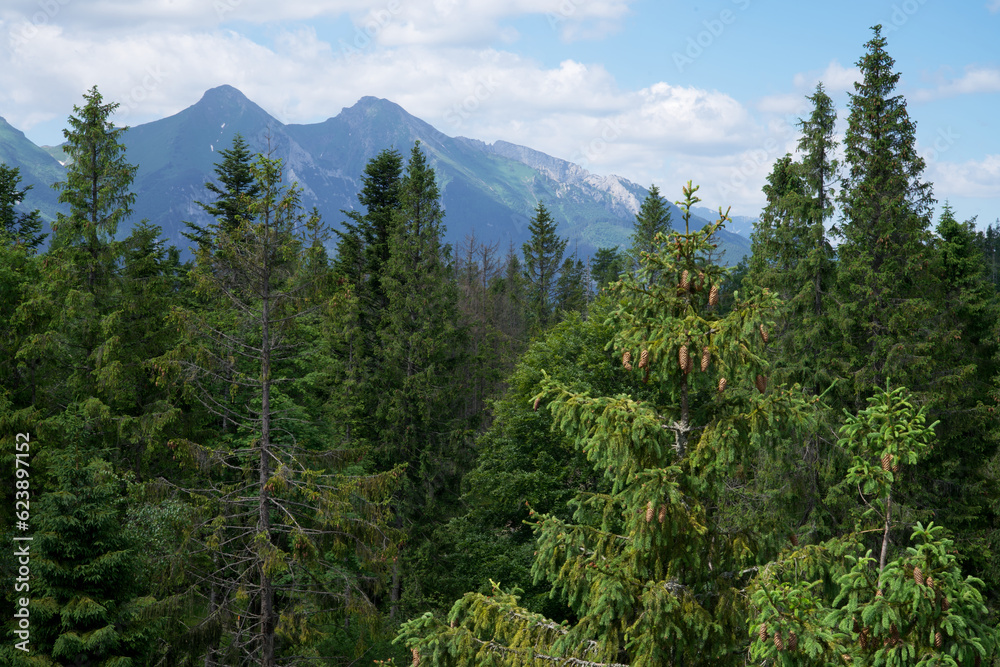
(649, 511)
(793, 641)
(762, 632)
(713, 296)
(918, 576)
(945, 605)
(416, 658)
(706, 357)
(761, 383)
(662, 515)
(643, 358)
(930, 582)
(683, 358)
(764, 335)
(864, 638)
(538, 400)
(685, 282)
(778, 644)
(886, 461)
(722, 385)
(794, 539)
(938, 639)
(627, 360)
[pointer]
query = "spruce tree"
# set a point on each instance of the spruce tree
(792, 254)
(652, 568)
(884, 255)
(420, 353)
(236, 190)
(287, 518)
(89, 593)
(97, 189)
(571, 288)
(19, 228)
(605, 266)
(653, 218)
(543, 256)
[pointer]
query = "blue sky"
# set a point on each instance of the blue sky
(655, 91)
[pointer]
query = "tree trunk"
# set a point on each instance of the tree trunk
(264, 521)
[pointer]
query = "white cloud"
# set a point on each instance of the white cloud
(975, 80)
(993, 6)
(973, 178)
(835, 78)
(783, 104)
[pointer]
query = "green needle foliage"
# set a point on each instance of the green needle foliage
(17, 228)
(88, 590)
(651, 569)
(885, 253)
(543, 256)
(837, 603)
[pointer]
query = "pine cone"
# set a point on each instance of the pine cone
(938, 639)
(649, 511)
(700, 283)
(886, 461)
(685, 281)
(762, 632)
(706, 357)
(864, 637)
(945, 605)
(918, 576)
(690, 366)
(537, 401)
(416, 658)
(683, 358)
(713, 296)
(722, 385)
(778, 644)
(793, 641)
(763, 334)
(627, 360)
(794, 539)
(761, 383)
(930, 582)
(643, 358)
(662, 515)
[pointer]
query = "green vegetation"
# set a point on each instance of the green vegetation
(409, 452)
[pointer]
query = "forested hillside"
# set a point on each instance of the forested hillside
(408, 451)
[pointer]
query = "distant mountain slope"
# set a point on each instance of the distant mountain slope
(38, 169)
(489, 189)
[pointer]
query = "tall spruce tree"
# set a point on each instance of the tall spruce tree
(543, 256)
(791, 253)
(884, 255)
(97, 189)
(286, 520)
(651, 569)
(421, 348)
(236, 190)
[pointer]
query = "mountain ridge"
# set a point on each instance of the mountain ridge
(490, 190)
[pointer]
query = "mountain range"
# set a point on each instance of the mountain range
(490, 190)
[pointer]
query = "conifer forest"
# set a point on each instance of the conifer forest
(345, 442)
